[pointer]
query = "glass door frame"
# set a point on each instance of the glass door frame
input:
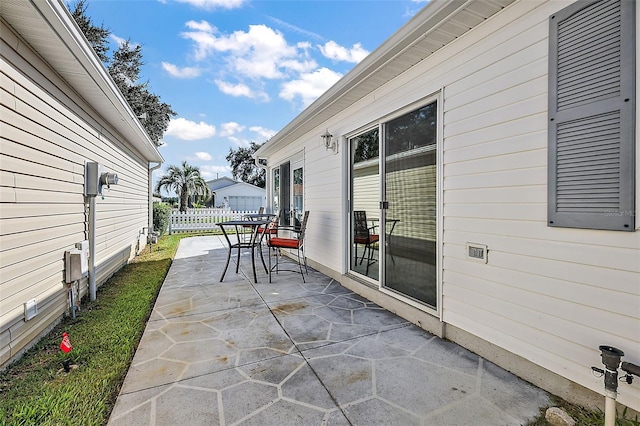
(349, 207)
(437, 97)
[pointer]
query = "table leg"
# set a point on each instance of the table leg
(239, 249)
(253, 263)
(228, 253)
(262, 257)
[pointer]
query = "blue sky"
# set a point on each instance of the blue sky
(237, 71)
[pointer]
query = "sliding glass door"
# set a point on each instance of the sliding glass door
(410, 205)
(393, 213)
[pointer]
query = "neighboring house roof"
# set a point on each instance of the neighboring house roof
(435, 26)
(219, 183)
(48, 27)
(226, 182)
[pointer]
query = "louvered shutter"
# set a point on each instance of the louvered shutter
(592, 116)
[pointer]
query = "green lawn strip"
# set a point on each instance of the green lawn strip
(104, 336)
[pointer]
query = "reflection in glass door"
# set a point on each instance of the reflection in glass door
(365, 204)
(410, 229)
(298, 195)
(285, 193)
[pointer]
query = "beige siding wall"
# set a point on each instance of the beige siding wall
(47, 136)
(549, 295)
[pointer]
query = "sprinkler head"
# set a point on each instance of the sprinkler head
(611, 356)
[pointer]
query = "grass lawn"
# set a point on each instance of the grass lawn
(35, 390)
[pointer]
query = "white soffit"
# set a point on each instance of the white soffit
(49, 29)
(436, 25)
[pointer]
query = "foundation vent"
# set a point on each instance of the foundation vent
(30, 309)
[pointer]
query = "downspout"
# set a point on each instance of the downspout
(151, 170)
(92, 248)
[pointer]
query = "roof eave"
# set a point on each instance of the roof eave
(90, 73)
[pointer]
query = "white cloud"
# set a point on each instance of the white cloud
(240, 89)
(263, 134)
(309, 86)
(334, 51)
(203, 26)
(117, 39)
(204, 156)
(262, 52)
(214, 4)
(186, 72)
(231, 128)
(188, 130)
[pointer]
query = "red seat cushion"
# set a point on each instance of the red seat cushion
(372, 239)
(283, 242)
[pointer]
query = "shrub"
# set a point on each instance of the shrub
(161, 217)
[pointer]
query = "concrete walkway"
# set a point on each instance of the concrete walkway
(289, 353)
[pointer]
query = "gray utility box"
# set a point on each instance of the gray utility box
(91, 179)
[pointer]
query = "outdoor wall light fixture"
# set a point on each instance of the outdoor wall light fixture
(329, 142)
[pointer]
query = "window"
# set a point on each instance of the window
(592, 116)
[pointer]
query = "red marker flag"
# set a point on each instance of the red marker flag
(66, 343)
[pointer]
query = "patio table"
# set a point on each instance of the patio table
(243, 243)
(393, 223)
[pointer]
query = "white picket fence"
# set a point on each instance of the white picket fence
(202, 219)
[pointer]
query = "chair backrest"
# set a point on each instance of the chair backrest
(275, 220)
(303, 226)
(360, 226)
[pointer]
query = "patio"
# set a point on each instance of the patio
(306, 354)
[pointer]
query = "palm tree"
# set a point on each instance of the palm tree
(184, 181)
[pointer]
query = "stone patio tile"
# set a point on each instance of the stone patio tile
(242, 400)
(398, 379)
(182, 405)
(152, 373)
(283, 413)
(376, 412)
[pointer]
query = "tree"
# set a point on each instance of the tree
(367, 146)
(97, 36)
(244, 168)
(184, 181)
(124, 68)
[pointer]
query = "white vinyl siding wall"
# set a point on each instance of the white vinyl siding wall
(46, 138)
(549, 295)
